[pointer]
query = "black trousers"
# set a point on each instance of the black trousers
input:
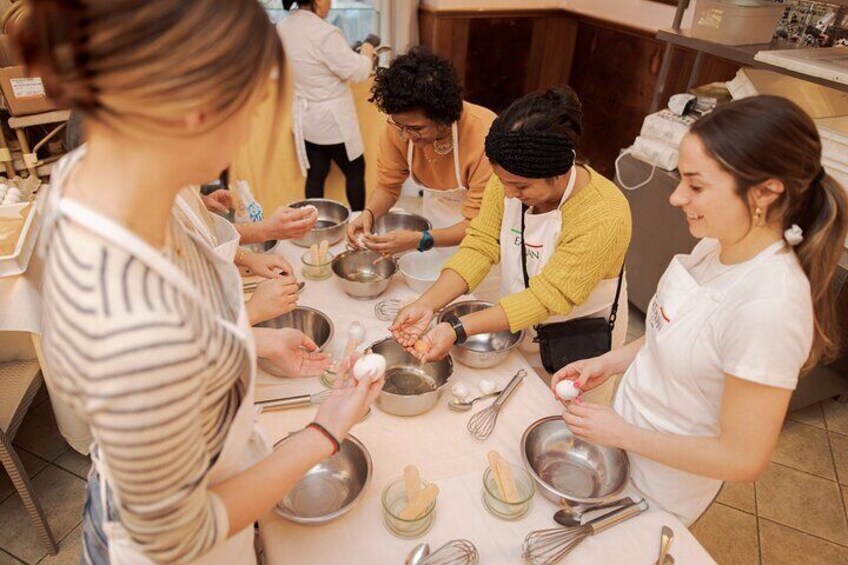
(320, 157)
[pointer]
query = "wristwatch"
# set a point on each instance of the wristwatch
(427, 242)
(456, 324)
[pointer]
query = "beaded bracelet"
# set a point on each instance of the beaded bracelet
(326, 434)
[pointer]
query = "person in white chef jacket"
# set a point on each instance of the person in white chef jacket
(733, 323)
(324, 120)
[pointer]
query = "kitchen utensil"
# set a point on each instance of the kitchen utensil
(330, 488)
(460, 405)
(386, 310)
(331, 225)
(482, 424)
(550, 546)
(411, 388)
(359, 277)
(568, 470)
(573, 516)
(418, 553)
(247, 288)
(666, 537)
(395, 501)
(455, 552)
(481, 351)
(421, 270)
(316, 268)
(296, 401)
(397, 220)
(514, 508)
(314, 323)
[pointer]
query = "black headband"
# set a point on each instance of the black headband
(530, 154)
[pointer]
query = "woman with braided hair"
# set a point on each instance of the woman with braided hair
(573, 223)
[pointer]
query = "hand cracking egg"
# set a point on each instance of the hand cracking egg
(369, 367)
(422, 346)
(567, 390)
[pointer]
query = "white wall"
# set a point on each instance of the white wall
(643, 14)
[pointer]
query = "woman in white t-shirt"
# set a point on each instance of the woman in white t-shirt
(735, 322)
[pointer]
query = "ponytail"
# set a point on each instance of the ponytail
(824, 220)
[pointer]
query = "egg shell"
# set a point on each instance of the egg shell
(460, 390)
(567, 390)
(356, 332)
(370, 367)
(486, 386)
(422, 346)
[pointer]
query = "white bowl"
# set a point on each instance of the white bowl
(420, 270)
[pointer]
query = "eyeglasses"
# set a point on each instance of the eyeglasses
(411, 132)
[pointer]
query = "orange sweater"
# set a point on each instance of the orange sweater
(475, 170)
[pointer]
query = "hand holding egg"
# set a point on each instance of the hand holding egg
(370, 367)
(567, 390)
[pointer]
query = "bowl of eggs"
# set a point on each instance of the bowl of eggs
(481, 351)
(12, 196)
(411, 388)
(331, 224)
(330, 488)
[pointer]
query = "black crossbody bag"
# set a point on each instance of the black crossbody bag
(562, 343)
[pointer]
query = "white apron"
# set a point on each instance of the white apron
(660, 390)
(245, 443)
(541, 232)
(344, 114)
(444, 209)
(225, 240)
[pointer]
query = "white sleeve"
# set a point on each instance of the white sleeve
(343, 61)
(768, 341)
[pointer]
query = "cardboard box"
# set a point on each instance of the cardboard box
(24, 94)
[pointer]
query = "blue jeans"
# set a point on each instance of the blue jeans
(95, 546)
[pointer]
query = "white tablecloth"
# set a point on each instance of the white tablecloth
(439, 443)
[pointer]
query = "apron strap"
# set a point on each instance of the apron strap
(455, 140)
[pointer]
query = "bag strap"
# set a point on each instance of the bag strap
(613, 311)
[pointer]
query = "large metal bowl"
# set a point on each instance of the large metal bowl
(569, 470)
(331, 225)
(410, 388)
(314, 323)
(481, 351)
(330, 488)
(360, 277)
(395, 220)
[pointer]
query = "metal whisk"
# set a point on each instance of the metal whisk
(482, 424)
(298, 401)
(547, 547)
(455, 552)
(387, 310)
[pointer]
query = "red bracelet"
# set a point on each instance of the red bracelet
(326, 433)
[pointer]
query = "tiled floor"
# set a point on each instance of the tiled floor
(796, 513)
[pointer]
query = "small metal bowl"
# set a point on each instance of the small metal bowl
(314, 323)
(360, 277)
(410, 388)
(481, 351)
(391, 221)
(568, 470)
(330, 488)
(331, 225)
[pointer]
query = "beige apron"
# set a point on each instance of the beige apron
(344, 114)
(245, 443)
(541, 233)
(444, 209)
(225, 238)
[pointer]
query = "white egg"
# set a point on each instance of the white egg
(14, 190)
(461, 390)
(370, 367)
(356, 332)
(311, 207)
(567, 390)
(486, 386)
(11, 199)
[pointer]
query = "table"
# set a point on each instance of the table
(445, 453)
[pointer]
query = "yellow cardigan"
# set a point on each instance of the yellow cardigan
(595, 236)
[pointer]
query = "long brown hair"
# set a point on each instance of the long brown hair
(768, 137)
(140, 65)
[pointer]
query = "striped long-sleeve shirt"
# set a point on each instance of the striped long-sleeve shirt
(152, 372)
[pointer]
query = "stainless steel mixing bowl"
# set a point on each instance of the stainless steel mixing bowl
(314, 323)
(360, 277)
(411, 388)
(391, 221)
(330, 488)
(481, 351)
(569, 470)
(332, 221)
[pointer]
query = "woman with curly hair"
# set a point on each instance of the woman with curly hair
(435, 139)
